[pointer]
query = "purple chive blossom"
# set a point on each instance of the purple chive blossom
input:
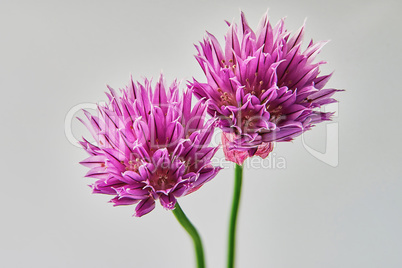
(149, 145)
(262, 86)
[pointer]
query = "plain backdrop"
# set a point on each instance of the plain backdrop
(55, 55)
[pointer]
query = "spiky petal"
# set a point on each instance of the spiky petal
(149, 145)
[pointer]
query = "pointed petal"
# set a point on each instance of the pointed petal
(144, 207)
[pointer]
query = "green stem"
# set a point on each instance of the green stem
(233, 216)
(189, 227)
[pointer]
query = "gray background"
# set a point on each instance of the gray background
(57, 54)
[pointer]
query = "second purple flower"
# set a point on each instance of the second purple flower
(262, 86)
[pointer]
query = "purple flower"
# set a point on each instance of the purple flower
(149, 145)
(262, 86)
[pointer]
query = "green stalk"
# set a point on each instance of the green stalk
(189, 227)
(233, 216)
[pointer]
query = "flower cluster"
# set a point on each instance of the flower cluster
(149, 144)
(262, 86)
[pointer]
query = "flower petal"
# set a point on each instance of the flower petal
(144, 207)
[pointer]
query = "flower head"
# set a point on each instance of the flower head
(149, 144)
(262, 86)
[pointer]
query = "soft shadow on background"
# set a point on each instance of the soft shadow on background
(55, 55)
